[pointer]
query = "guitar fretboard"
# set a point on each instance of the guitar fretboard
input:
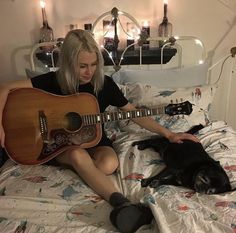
(121, 115)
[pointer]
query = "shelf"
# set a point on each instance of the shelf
(131, 57)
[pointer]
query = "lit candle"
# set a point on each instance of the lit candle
(42, 3)
(165, 7)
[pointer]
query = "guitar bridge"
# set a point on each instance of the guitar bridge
(43, 126)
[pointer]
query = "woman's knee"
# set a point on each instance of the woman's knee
(107, 164)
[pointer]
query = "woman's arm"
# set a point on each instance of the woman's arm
(4, 90)
(151, 125)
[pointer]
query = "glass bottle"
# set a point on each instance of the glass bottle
(165, 27)
(87, 26)
(46, 32)
(108, 35)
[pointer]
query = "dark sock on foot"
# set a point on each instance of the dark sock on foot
(117, 199)
(130, 217)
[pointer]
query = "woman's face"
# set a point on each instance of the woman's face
(87, 66)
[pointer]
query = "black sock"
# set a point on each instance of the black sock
(117, 199)
(129, 218)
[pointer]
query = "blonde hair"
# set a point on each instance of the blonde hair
(68, 76)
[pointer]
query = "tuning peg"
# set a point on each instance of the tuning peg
(171, 101)
(181, 99)
(176, 101)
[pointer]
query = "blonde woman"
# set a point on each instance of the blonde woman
(81, 70)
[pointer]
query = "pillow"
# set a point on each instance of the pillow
(172, 77)
(143, 95)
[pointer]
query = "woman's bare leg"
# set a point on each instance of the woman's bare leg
(93, 167)
(93, 171)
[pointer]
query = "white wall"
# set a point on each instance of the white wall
(209, 20)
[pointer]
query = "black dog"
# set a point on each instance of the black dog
(187, 164)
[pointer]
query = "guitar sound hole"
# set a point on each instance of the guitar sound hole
(73, 121)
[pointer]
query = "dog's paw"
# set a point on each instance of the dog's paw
(154, 184)
(140, 145)
(145, 182)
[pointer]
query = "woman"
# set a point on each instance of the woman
(81, 70)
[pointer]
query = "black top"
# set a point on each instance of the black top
(110, 94)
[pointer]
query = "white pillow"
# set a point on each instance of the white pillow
(172, 77)
(143, 95)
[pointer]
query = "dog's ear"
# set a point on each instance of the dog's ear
(218, 164)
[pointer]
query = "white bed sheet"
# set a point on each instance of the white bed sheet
(54, 199)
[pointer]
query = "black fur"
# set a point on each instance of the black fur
(187, 164)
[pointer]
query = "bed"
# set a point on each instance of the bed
(48, 198)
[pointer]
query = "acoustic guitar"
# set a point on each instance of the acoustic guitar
(39, 125)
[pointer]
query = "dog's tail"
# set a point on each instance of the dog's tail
(195, 129)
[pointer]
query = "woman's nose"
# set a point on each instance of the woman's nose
(88, 70)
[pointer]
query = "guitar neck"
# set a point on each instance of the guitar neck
(121, 115)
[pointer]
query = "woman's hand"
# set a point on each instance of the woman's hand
(179, 137)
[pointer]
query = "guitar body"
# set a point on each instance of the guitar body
(39, 125)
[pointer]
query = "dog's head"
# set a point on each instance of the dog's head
(211, 180)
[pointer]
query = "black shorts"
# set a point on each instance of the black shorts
(105, 141)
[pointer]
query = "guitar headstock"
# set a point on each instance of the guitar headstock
(184, 108)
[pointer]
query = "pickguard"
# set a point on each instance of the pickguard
(60, 138)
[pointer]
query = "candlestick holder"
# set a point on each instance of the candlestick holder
(108, 32)
(146, 31)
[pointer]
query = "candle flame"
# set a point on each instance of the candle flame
(145, 23)
(165, 1)
(42, 3)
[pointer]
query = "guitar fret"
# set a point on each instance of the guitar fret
(86, 119)
(133, 114)
(102, 117)
(94, 119)
(113, 116)
(143, 112)
(124, 115)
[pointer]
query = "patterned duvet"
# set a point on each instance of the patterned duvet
(50, 199)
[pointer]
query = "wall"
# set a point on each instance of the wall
(212, 21)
